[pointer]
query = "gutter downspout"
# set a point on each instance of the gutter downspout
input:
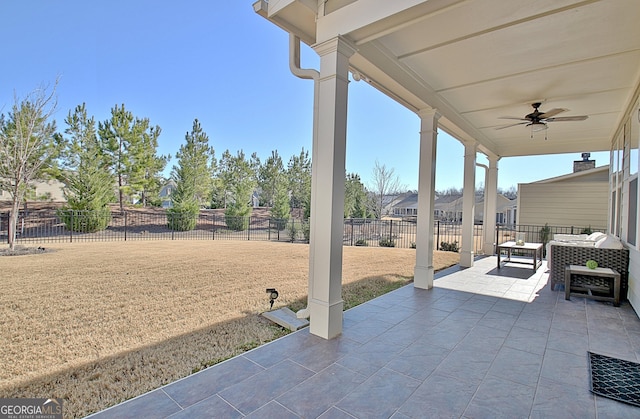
(294, 66)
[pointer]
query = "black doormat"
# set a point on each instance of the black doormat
(615, 378)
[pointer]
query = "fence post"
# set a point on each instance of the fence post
(9, 232)
(71, 227)
(351, 231)
(269, 230)
(249, 229)
(293, 230)
(438, 235)
(213, 228)
(391, 231)
(495, 247)
(125, 226)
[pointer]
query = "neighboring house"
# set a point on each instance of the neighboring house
(165, 193)
(449, 208)
(406, 207)
(506, 210)
(50, 190)
(579, 199)
(389, 202)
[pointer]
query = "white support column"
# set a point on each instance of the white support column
(327, 190)
(468, 205)
(490, 199)
(423, 271)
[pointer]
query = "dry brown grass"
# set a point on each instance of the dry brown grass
(98, 323)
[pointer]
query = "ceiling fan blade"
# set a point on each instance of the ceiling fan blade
(512, 125)
(513, 117)
(552, 112)
(567, 118)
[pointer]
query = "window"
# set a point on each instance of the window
(632, 227)
(624, 183)
(633, 134)
(615, 170)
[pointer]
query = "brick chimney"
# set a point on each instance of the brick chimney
(584, 164)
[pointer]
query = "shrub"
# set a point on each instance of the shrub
(545, 234)
(183, 216)
(292, 229)
(236, 223)
(386, 242)
(586, 230)
(279, 223)
(181, 221)
(361, 242)
(413, 245)
(449, 247)
(85, 221)
(236, 216)
(306, 230)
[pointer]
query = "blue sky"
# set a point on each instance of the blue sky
(219, 62)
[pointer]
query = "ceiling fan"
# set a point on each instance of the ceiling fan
(538, 120)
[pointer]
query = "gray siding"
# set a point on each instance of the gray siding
(579, 204)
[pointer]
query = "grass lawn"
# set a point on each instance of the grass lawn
(100, 322)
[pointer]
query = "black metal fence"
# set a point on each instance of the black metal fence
(47, 226)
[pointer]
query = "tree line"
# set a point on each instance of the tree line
(117, 160)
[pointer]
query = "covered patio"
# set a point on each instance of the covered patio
(505, 78)
(515, 350)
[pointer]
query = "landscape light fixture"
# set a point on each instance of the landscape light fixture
(273, 294)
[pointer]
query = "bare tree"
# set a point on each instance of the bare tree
(385, 184)
(27, 147)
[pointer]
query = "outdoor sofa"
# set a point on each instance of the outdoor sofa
(605, 249)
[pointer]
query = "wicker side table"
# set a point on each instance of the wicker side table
(589, 281)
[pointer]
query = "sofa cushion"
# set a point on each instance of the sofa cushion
(609, 242)
(569, 237)
(596, 236)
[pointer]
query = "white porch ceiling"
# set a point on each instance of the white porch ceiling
(478, 60)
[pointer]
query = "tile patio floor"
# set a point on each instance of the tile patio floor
(482, 343)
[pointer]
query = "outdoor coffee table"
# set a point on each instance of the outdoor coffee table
(534, 249)
(598, 284)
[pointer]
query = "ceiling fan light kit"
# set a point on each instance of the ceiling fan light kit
(538, 120)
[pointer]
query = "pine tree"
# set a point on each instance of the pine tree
(281, 209)
(269, 176)
(299, 174)
(129, 145)
(193, 176)
(356, 197)
(88, 187)
(144, 172)
(238, 176)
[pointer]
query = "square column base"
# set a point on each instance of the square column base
(466, 259)
(423, 277)
(326, 320)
